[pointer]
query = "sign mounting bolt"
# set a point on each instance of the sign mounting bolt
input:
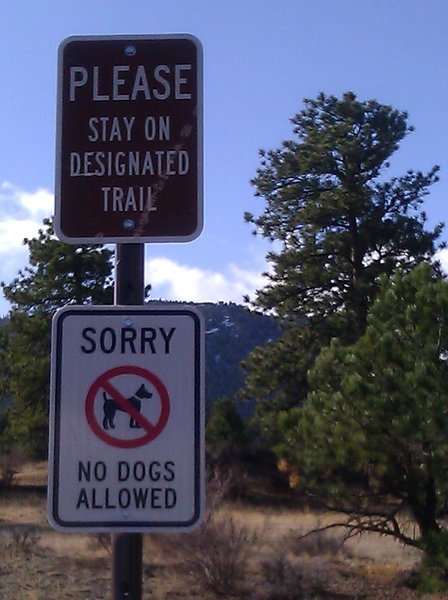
(130, 50)
(128, 224)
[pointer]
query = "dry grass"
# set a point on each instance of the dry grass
(40, 564)
(35, 473)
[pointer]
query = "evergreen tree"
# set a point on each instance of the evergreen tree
(225, 427)
(377, 417)
(338, 225)
(276, 376)
(57, 275)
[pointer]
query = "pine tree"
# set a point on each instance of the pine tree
(338, 224)
(225, 427)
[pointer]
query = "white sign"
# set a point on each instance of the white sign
(126, 419)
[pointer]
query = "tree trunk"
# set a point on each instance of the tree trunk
(360, 302)
(424, 511)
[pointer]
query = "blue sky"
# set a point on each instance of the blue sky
(261, 59)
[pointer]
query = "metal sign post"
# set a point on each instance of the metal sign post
(127, 548)
(128, 172)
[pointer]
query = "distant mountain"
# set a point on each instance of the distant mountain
(231, 332)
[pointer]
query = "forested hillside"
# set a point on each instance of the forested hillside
(231, 332)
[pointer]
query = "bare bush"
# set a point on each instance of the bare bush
(277, 569)
(216, 554)
(8, 469)
(224, 484)
(24, 539)
(283, 580)
(101, 540)
(317, 543)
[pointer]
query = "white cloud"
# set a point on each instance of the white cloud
(442, 256)
(173, 281)
(21, 205)
(21, 215)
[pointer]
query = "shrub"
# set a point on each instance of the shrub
(216, 554)
(433, 576)
(9, 463)
(283, 580)
(24, 539)
(316, 543)
(101, 540)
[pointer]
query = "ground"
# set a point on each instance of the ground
(41, 564)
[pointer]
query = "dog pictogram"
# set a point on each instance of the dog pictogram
(110, 407)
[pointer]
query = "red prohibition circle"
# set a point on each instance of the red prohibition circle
(151, 431)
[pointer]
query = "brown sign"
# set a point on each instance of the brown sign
(129, 139)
